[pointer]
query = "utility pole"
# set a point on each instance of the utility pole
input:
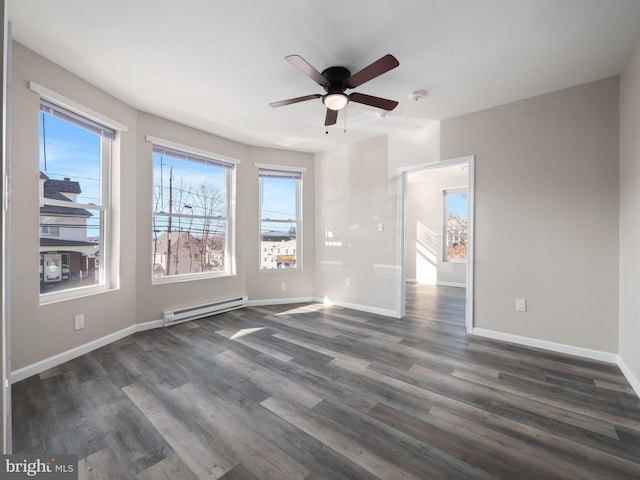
(169, 222)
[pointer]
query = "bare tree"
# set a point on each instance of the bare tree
(157, 205)
(198, 234)
(210, 203)
(180, 189)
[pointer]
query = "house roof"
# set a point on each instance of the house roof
(57, 242)
(55, 210)
(55, 190)
(61, 186)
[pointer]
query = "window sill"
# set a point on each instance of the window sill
(189, 277)
(73, 294)
(280, 270)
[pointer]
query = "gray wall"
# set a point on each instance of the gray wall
(39, 332)
(353, 192)
(546, 214)
(629, 219)
(356, 191)
(42, 331)
(265, 284)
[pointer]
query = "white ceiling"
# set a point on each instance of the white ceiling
(216, 65)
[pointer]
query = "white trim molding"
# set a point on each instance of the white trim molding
(75, 107)
(547, 345)
(631, 378)
(47, 363)
(402, 224)
(598, 355)
(163, 142)
(283, 168)
(356, 306)
(279, 301)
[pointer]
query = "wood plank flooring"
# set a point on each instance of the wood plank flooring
(311, 392)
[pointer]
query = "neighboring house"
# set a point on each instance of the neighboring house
(278, 248)
(66, 254)
(188, 254)
(278, 253)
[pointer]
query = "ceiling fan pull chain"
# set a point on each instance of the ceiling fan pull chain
(345, 120)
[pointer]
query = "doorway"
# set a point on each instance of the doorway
(436, 229)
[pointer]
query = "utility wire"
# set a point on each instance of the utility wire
(44, 143)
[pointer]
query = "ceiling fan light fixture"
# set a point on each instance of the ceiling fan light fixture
(335, 101)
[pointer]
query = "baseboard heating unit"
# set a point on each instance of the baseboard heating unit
(199, 311)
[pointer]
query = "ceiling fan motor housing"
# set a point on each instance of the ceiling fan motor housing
(336, 78)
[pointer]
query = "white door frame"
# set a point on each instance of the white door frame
(402, 225)
(5, 331)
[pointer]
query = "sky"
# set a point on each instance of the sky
(67, 150)
(278, 202)
(73, 152)
(458, 205)
(278, 198)
(193, 188)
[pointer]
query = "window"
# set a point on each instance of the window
(49, 226)
(191, 215)
(75, 159)
(280, 219)
(456, 220)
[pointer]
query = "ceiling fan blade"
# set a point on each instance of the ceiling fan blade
(331, 118)
(378, 102)
(377, 68)
(306, 68)
(282, 103)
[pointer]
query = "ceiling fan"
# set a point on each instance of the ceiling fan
(335, 80)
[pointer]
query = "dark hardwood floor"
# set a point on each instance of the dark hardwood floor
(310, 392)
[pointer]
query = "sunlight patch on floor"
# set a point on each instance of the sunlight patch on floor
(313, 307)
(245, 331)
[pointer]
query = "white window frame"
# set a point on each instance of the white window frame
(110, 131)
(445, 229)
(230, 199)
(293, 171)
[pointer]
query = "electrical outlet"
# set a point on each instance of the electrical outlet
(521, 305)
(79, 322)
(283, 286)
(347, 281)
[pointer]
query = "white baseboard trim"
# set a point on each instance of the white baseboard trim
(47, 363)
(141, 327)
(279, 301)
(631, 378)
(451, 284)
(362, 308)
(546, 345)
(411, 280)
